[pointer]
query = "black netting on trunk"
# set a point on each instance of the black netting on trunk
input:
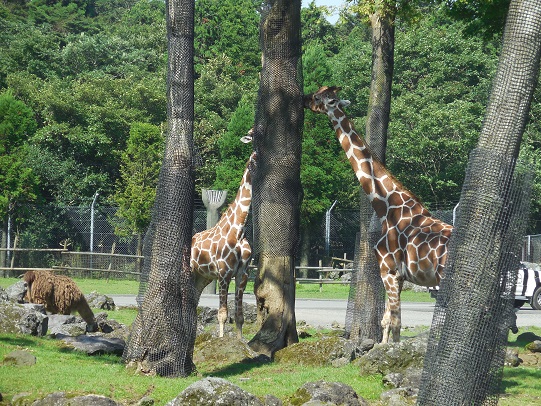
(278, 125)
(163, 333)
(366, 300)
(474, 308)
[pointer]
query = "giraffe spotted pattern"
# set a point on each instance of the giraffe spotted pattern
(413, 245)
(222, 252)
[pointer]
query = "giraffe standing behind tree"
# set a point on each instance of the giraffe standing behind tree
(413, 245)
(222, 251)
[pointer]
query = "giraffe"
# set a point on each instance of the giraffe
(413, 245)
(222, 251)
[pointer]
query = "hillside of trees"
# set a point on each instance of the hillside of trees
(83, 107)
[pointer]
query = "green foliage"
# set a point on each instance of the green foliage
(17, 181)
(139, 170)
(231, 28)
(219, 92)
(233, 153)
(440, 92)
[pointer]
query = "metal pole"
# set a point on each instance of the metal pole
(92, 221)
(328, 229)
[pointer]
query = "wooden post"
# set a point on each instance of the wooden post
(320, 276)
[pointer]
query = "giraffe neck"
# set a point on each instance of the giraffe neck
(386, 194)
(234, 218)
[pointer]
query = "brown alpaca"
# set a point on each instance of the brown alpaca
(59, 294)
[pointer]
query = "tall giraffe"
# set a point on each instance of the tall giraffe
(413, 245)
(222, 251)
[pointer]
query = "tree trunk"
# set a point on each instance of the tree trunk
(163, 333)
(368, 292)
(467, 343)
(275, 291)
(276, 179)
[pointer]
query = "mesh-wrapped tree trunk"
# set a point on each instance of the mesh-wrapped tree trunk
(464, 361)
(276, 181)
(163, 334)
(366, 302)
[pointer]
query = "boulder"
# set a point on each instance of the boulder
(94, 345)
(3, 295)
(326, 393)
(534, 346)
(62, 399)
(335, 351)
(222, 351)
(23, 318)
(394, 357)
(16, 292)
(511, 358)
(400, 397)
(19, 358)
(98, 301)
(214, 391)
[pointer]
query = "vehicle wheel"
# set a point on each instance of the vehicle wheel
(536, 299)
(519, 303)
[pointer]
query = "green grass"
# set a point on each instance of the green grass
(303, 291)
(59, 368)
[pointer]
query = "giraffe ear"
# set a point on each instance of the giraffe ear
(344, 103)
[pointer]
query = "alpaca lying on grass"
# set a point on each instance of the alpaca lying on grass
(59, 294)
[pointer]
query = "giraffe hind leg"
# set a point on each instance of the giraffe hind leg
(222, 310)
(241, 279)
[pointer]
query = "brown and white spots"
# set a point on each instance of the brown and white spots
(413, 245)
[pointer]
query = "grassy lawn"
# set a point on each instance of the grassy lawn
(59, 368)
(303, 291)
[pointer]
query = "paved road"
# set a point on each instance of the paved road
(325, 312)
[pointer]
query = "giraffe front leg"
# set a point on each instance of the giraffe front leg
(391, 321)
(222, 311)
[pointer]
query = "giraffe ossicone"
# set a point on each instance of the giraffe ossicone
(223, 252)
(413, 245)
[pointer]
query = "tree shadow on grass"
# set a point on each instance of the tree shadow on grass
(22, 341)
(235, 369)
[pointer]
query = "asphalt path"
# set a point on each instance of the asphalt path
(325, 313)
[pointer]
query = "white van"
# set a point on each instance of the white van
(528, 285)
(528, 288)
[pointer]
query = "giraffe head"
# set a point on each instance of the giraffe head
(325, 100)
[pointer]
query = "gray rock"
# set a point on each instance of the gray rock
(271, 400)
(60, 399)
(145, 401)
(3, 295)
(16, 292)
(19, 358)
(23, 318)
(94, 345)
(105, 325)
(57, 320)
(394, 357)
(400, 397)
(327, 393)
(214, 391)
(534, 346)
(511, 358)
(73, 329)
(98, 301)
(326, 351)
